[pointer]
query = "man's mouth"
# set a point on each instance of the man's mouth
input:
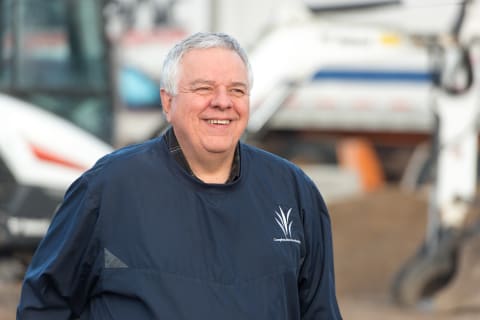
(215, 121)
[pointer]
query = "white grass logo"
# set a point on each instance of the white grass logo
(283, 220)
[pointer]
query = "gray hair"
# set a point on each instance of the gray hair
(200, 40)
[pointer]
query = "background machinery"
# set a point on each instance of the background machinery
(394, 86)
(55, 110)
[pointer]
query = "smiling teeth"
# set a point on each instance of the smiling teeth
(219, 121)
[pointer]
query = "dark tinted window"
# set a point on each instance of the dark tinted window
(54, 56)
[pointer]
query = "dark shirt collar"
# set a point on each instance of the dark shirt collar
(177, 153)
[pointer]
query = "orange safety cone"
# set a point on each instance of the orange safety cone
(359, 155)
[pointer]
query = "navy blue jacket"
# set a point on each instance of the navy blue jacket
(137, 237)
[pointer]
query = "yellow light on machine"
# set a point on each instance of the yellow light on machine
(390, 39)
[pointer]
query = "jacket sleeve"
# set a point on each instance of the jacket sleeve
(317, 280)
(65, 265)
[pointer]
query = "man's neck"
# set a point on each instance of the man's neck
(210, 168)
(213, 168)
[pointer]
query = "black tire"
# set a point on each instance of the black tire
(427, 272)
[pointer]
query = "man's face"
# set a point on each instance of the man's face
(211, 108)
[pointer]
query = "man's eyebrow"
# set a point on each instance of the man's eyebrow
(200, 82)
(239, 84)
(209, 82)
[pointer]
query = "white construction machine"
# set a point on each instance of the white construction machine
(55, 101)
(328, 71)
(41, 155)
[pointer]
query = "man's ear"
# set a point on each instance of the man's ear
(166, 103)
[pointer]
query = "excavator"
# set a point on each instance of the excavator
(61, 93)
(325, 71)
(55, 112)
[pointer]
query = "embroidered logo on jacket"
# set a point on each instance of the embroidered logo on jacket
(283, 220)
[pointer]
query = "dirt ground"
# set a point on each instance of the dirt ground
(373, 235)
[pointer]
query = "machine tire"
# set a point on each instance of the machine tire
(428, 271)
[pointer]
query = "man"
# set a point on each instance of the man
(193, 224)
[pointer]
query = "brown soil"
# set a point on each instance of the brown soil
(373, 235)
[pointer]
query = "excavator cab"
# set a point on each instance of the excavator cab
(53, 54)
(55, 109)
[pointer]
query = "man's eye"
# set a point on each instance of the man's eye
(237, 92)
(203, 90)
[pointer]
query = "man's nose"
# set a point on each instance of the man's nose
(221, 99)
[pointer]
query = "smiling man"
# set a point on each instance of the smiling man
(208, 108)
(193, 224)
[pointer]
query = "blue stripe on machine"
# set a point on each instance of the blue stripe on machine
(373, 75)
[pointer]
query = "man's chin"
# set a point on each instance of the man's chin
(220, 148)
